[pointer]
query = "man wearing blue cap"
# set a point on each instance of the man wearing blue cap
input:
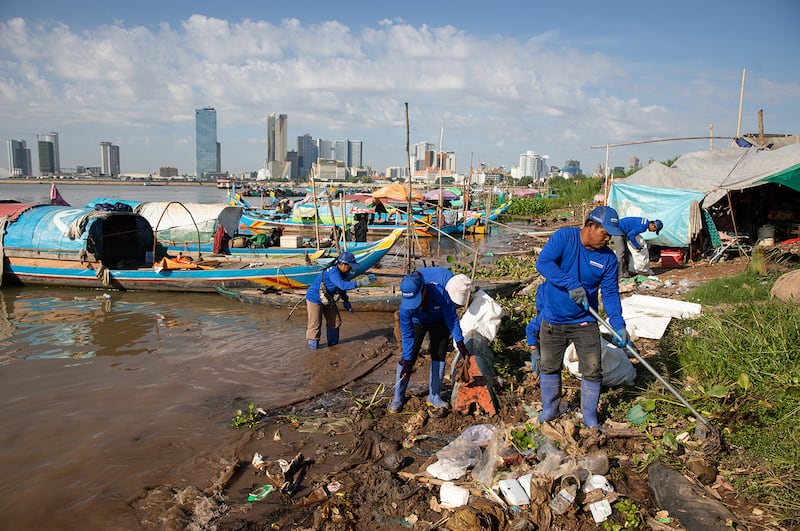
(430, 297)
(632, 227)
(578, 264)
(320, 299)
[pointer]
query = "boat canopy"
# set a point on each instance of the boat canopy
(111, 236)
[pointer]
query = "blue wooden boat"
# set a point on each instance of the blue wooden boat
(81, 247)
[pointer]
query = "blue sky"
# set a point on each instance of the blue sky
(502, 78)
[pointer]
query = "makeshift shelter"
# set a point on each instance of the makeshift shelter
(743, 189)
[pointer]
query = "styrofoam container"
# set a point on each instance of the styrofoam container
(452, 496)
(292, 242)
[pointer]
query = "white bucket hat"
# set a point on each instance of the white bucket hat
(457, 288)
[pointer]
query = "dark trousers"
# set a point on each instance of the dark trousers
(439, 336)
(554, 340)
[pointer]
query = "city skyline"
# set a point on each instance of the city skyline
(498, 82)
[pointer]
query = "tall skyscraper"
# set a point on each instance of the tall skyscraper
(207, 149)
(53, 139)
(306, 154)
(47, 159)
(19, 159)
(109, 159)
(533, 166)
(277, 146)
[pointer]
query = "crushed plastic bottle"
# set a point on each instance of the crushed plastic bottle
(566, 496)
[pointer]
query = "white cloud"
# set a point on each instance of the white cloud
(497, 95)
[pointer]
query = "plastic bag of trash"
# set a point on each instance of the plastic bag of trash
(617, 368)
(490, 460)
(455, 459)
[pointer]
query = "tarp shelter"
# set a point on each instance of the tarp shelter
(396, 193)
(675, 194)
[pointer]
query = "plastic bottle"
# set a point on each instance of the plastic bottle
(566, 496)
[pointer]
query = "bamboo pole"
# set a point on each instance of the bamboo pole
(408, 218)
(314, 195)
(761, 127)
(342, 204)
(440, 208)
(741, 99)
(465, 196)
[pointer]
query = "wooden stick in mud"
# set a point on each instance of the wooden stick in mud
(437, 482)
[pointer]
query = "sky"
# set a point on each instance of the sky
(486, 80)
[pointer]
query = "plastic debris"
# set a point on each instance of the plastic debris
(260, 493)
(601, 510)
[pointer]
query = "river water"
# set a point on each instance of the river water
(105, 393)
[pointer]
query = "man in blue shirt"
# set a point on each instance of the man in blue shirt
(430, 297)
(577, 264)
(631, 227)
(320, 299)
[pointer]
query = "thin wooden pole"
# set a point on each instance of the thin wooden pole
(605, 193)
(741, 99)
(343, 203)
(465, 196)
(440, 213)
(314, 194)
(408, 217)
(333, 221)
(761, 127)
(711, 137)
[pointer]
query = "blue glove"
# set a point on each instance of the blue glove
(347, 306)
(578, 296)
(536, 359)
(366, 280)
(625, 338)
(405, 372)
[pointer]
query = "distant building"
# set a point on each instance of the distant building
(395, 173)
(167, 171)
(19, 159)
(109, 159)
(633, 163)
(306, 154)
(533, 166)
(47, 157)
(276, 164)
(207, 149)
(571, 168)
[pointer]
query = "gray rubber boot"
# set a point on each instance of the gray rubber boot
(590, 398)
(399, 391)
(550, 385)
(435, 385)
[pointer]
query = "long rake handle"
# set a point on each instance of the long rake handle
(650, 368)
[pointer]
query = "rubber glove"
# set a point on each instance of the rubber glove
(347, 306)
(625, 338)
(366, 280)
(462, 349)
(536, 359)
(408, 366)
(578, 296)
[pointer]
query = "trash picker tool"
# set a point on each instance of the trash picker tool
(705, 429)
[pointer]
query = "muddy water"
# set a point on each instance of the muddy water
(107, 393)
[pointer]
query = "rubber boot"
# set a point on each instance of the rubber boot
(313, 344)
(435, 385)
(590, 397)
(399, 391)
(550, 385)
(333, 336)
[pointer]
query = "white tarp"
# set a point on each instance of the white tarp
(173, 216)
(648, 317)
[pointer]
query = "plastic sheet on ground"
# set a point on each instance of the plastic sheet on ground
(648, 317)
(617, 368)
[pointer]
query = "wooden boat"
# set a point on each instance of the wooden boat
(81, 247)
(369, 299)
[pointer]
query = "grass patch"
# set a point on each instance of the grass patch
(741, 368)
(745, 287)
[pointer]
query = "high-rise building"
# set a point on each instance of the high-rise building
(354, 149)
(277, 145)
(572, 167)
(109, 159)
(47, 159)
(306, 154)
(19, 159)
(53, 139)
(533, 166)
(325, 149)
(422, 156)
(207, 149)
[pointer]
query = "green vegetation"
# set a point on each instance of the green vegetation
(529, 207)
(248, 418)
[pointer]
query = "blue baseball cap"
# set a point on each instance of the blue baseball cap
(658, 224)
(608, 218)
(411, 289)
(347, 258)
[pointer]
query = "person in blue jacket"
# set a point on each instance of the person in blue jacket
(532, 330)
(631, 227)
(332, 281)
(430, 297)
(577, 264)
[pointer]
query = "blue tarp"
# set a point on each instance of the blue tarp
(46, 228)
(671, 205)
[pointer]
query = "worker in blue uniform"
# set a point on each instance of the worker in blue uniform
(320, 299)
(577, 264)
(631, 227)
(430, 297)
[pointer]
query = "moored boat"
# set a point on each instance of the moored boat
(81, 247)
